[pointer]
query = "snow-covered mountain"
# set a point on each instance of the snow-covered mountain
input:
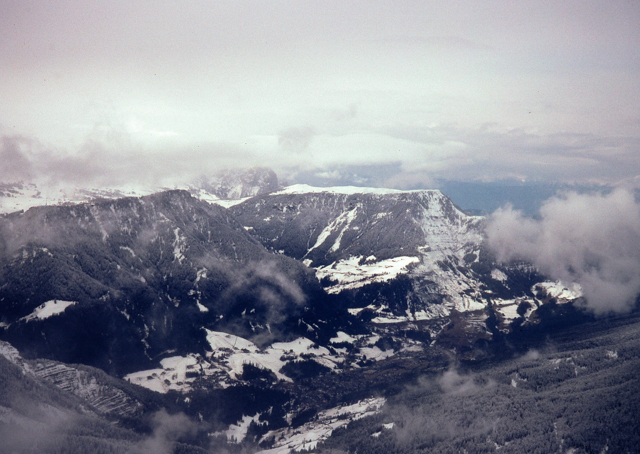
(225, 188)
(165, 267)
(256, 302)
(120, 284)
(406, 255)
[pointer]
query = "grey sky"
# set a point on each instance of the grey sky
(466, 90)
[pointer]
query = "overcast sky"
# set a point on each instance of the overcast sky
(90, 92)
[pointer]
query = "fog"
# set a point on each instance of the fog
(589, 239)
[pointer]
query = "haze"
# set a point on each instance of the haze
(103, 93)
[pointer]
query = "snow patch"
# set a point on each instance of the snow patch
(308, 436)
(498, 275)
(173, 376)
(557, 290)
(236, 432)
(350, 274)
(129, 250)
(179, 245)
(347, 190)
(48, 309)
(229, 203)
(218, 340)
(342, 337)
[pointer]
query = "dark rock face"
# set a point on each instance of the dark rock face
(147, 274)
(325, 227)
(378, 236)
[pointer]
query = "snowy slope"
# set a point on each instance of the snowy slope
(355, 237)
(222, 365)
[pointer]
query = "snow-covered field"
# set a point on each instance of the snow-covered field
(226, 361)
(347, 190)
(557, 290)
(350, 273)
(224, 364)
(310, 434)
(48, 309)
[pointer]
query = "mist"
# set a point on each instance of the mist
(167, 429)
(589, 239)
(436, 419)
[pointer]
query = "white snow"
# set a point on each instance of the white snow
(224, 365)
(342, 337)
(218, 340)
(350, 274)
(347, 190)
(179, 245)
(48, 309)
(375, 353)
(498, 275)
(201, 274)
(236, 432)
(508, 308)
(23, 196)
(389, 319)
(558, 290)
(233, 352)
(310, 434)
(228, 203)
(172, 375)
(129, 250)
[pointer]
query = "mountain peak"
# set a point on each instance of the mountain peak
(347, 190)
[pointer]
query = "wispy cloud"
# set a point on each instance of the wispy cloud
(591, 239)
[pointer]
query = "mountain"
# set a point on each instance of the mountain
(284, 319)
(225, 187)
(239, 183)
(398, 258)
(119, 284)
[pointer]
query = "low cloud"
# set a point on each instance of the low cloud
(328, 152)
(15, 163)
(266, 290)
(167, 429)
(97, 165)
(590, 239)
(437, 419)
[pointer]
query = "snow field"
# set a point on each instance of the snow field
(310, 434)
(350, 274)
(48, 309)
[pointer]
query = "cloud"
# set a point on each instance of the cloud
(451, 382)
(590, 239)
(34, 427)
(296, 140)
(119, 163)
(266, 292)
(167, 429)
(432, 415)
(16, 165)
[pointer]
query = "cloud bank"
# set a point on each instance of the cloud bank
(593, 240)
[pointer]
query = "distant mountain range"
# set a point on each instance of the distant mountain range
(239, 284)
